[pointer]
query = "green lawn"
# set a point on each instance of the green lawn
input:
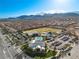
(47, 55)
(38, 55)
(50, 53)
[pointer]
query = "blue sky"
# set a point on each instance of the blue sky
(13, 8)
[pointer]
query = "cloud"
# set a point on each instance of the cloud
(49, 12)
(55, 11)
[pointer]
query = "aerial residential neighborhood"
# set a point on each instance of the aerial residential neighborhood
(39, 29)
(45, 42)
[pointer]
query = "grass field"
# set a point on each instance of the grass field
(43, 30)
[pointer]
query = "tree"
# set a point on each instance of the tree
(24, 47)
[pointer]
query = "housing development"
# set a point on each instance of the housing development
(39, 39)
(39, 29)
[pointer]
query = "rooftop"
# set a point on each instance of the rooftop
(37, 42)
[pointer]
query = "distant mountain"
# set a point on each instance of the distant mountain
(29, 16)
(45, 16)
(77, 12)
(63, 14)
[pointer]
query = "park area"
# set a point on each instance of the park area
(43, 30)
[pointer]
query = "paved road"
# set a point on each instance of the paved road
(4, 47)
(8, 52)
(2, 56)
(74, 53)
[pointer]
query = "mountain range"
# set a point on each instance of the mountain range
(44, 16)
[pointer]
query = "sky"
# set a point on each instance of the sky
(13, 8)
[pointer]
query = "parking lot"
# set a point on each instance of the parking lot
(60, 42)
